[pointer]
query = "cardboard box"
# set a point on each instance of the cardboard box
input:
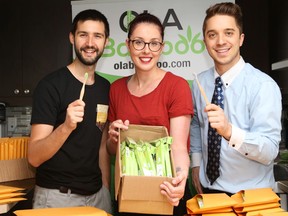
(141, 194)
(13, 159)
(4, 208)
(17, 169)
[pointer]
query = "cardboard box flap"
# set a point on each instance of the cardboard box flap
(144, 132)
(147, 207)
(136, 132)
(146, 184)
(142, 201)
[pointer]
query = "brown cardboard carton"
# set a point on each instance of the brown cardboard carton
(141, 194)
(16, 169)
(13, 159)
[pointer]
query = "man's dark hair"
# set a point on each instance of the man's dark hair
(90, 14)
(225, 8)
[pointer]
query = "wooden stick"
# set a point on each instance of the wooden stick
(202, 91)
(83, 86)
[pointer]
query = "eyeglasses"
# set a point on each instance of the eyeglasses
(154, 46)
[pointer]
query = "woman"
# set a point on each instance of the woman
(152, 96)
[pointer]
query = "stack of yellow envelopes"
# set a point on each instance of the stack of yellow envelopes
(211, 204)
(9, 196)
(256, 202)
(67, 211)
(13, 148)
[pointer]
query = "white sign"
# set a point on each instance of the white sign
(184, 52)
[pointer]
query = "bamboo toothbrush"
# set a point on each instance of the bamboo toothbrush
(201, 90)
(83, 86)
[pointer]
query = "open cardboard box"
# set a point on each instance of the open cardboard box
(141, 194)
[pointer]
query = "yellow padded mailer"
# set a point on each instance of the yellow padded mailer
(8, 189)
(211, 203)
(13, 148)
(220, 214)
(68, 211)
(281, 213)
(257, 207)
(11, 200)
(270, 212)
(4, 148)
(10, 195)
(254, 197)
(216, 211)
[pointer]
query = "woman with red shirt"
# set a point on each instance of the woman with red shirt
(152, 96)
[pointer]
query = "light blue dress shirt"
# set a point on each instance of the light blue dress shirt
(252, 104)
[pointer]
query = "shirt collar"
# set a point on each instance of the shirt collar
(228, 77)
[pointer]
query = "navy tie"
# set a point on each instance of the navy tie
(214, 139)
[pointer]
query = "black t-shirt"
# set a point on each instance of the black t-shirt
(76, 164)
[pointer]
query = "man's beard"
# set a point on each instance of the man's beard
(90, 61)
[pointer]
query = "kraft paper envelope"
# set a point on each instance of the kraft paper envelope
(10, 195)
(220, 214)
(9, 189)
(204, 203)
(270, 212)
(216, 211)
(256, 207)
(10, 200)
(68, 211)
(255, 197)
(283, 213)
(215, 214)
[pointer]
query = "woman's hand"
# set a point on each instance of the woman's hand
(113, 133)
(174, 191)
(114, 129)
